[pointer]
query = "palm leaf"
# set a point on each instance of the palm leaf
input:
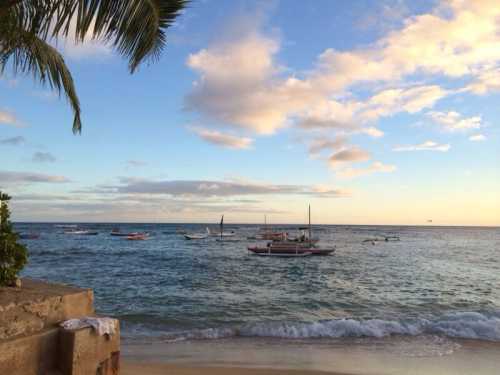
(27, 53)
(136, 28)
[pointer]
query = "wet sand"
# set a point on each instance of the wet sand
(422, 355)
(169, 369)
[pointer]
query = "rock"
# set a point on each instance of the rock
(17, 283)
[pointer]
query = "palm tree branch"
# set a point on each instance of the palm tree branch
(27, 53)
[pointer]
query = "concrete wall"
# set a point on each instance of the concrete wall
(32, 343)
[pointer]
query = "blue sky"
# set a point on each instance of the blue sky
(373, 112)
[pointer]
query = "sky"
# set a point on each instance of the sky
(373, 112)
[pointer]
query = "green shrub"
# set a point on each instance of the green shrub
(13, 255)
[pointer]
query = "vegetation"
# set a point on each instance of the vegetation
(13, 255)
(30, 28)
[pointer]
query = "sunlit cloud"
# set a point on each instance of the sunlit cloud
(223, 139)
(8, 118)
(453, 121)
(477, 138)
(426, 146)
(348, 155)
(242, 86)
(358, 172)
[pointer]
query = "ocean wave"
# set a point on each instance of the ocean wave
(466, 325)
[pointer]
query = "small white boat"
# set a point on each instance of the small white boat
(82, 232)
(195, 236)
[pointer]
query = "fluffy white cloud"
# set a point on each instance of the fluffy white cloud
(453, 121)
(372, 132)
(240, 84)
(426, 146)
(477, 138)
(485, 82)
(358, 172)
(223, 139)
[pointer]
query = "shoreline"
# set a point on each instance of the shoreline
(425, 355)
(137, 368)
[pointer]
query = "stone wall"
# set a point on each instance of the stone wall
(32, 343)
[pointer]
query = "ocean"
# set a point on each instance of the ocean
(441, 283)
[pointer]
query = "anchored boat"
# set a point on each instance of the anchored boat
(302, 246)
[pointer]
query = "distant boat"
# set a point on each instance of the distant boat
(116, 232)
(195, 236)
(285, 255)
(81, 232)
(268, 234)
(303, 246)
(221, 233)
(66, 226)
(137, 237)
(29, 236)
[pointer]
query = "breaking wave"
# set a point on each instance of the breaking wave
(467, 325)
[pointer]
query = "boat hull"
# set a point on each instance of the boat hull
(282, 250)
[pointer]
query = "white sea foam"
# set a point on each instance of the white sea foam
(470, 325)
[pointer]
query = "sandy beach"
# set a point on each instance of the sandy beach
(392, 356)
(130, 368)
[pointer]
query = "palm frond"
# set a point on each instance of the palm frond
(27, 53)
(136, 28)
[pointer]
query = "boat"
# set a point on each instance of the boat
(285, 255)
(29, 236)
(221, 233)
(305, 245)
(137, 237)
(268, 234)
(81, 232)
(116, 232)
(195, 236)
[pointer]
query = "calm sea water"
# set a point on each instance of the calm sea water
(439, 281)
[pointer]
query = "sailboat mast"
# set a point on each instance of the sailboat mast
(310, 225)
(221, 226)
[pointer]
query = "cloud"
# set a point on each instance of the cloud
(13, 177)
(349, 155)
(426, 146)
(485, 82)
(236, 84)
(453, 121)
(321, 144)
(222, 139)
(8, 118)
(241, 84)
(43, 157)
(136, 163)
(358, 172)
(13, 141)
(477, 138)
(213, 188)
(89, 48)
(372, 132)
